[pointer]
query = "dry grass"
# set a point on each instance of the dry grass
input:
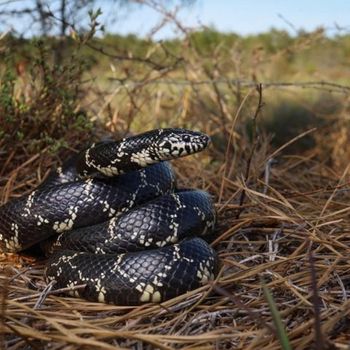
(291, 232)
(283, 218)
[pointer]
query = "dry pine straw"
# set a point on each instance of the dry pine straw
(303, 212)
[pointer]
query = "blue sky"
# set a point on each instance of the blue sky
(244, 16)
(240, 16)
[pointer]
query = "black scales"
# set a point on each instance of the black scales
(122, 229)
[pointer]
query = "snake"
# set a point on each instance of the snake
(119, 229)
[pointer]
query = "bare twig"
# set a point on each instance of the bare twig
(255, 138)
(318, 85)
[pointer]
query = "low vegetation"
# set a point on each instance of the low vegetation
(277, 168)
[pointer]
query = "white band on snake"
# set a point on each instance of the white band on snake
(120, 226)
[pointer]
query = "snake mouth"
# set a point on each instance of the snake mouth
(204, 141)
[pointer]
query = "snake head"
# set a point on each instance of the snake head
(136, 152)
(174, 143)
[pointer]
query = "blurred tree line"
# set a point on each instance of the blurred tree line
(268, 56)
(48, 79)
(276, 54)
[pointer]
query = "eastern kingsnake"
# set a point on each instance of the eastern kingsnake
(128, 238)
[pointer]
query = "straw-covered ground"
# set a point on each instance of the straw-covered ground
(283, 233)
(283, 241)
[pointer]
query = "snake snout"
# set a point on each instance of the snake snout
(204, 140)
(174, 143)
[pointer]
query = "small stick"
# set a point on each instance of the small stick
(255, 143)
(43, 295)
(267, 174)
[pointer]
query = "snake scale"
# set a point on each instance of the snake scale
(122, 232)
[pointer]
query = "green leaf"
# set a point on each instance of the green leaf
(276, 317)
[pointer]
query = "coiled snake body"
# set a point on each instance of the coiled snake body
(121, 228)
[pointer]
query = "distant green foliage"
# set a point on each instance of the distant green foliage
(302, 55)
(272, 41)
(46, 109)
(209, 39)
